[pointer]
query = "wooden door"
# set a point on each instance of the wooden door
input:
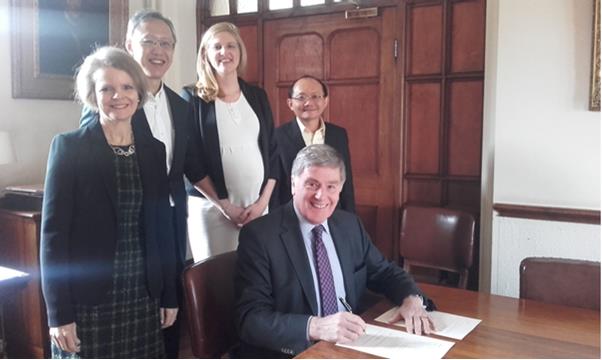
(356, 59)
(444, 52)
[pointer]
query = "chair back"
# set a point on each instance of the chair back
(561, 281)
(209, 297)
(438, 238)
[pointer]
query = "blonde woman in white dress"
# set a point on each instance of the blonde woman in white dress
(236, 132)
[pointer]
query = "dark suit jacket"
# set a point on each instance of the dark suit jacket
(290, 142)
(187, 159)
(79, 222)
(206, 131)
(274, 286)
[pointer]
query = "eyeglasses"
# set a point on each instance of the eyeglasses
(305, 98)
(163, 44)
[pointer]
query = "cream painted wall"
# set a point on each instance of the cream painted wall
(547, 142)
(33, 123)
(541, 145)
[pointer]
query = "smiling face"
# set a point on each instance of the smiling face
(152, 46)
(316, 192)
(116, 96)
(310, 110)
(223, 53)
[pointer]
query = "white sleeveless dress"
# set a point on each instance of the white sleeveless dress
(209, 232)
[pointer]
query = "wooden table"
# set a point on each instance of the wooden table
(510, 328)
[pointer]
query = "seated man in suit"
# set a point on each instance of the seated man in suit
(298, 264)
(307, 99)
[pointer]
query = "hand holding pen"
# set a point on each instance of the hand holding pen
(342, 327)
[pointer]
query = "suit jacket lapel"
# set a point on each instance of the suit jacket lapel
(178, 118)
(293, 242)
(341, 240)
(104, 161)
(147, 148)
(294, 133)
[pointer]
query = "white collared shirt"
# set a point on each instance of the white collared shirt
(158, 116)
(310, 138)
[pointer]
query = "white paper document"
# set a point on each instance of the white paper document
(398, 344)
(448, 325)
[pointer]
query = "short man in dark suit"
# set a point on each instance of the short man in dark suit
(151, 41)
(297, 265)
(307, 99)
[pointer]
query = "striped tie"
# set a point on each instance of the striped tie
(328, 295)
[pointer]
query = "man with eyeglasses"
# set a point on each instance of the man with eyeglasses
(303, 269)
(307, 99)
(166, 117)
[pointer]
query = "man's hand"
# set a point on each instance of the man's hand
(168, 316)
(65, 337)
(342, 327)
(417, 319)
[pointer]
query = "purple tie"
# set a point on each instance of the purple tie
(328, 295)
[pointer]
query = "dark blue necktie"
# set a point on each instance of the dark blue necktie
(328, 295)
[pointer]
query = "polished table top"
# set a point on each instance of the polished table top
(510, 328)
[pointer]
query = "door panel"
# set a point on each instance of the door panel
(355, 58)
(443, 100)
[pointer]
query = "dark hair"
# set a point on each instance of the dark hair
(324, 87)
(318, 155)
(143, 16)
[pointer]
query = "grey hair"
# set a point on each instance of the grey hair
(107, 57)
(318, 155)
(146, 15)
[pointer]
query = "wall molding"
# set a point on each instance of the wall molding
(548, 213)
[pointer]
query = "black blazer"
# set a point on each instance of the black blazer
(274, 285)
(187, 159)
(79, 221)
(290, 142)
(206, 131)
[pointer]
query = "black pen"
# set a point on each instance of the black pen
(345, 305)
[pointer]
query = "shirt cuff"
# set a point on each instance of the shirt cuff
(307, 328)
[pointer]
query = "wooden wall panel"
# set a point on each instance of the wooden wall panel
(424, 37)
(345, 42)
(465, 127)
(464, 195)
(248, 33)
(426, 192)
(443, 97)
(423, 127)
(467, 36)
(300, 54)
(369, 216)
(280, 110)
(355, 112)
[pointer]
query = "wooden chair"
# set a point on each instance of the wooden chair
(437, 238)
(561, 281)
(209, 298)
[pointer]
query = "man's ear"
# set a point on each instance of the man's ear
(289, 102)
(128, 46)
(293, 185)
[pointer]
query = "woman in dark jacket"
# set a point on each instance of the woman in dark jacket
(236, 131)
(107, 249)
